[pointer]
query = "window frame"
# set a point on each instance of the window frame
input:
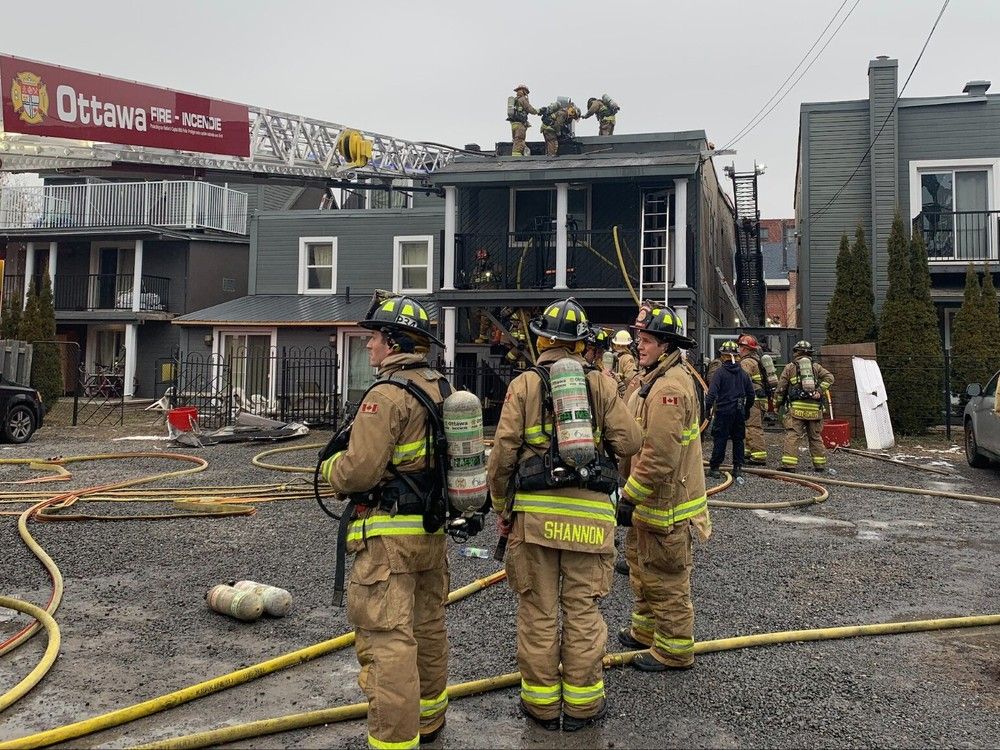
(397, 263)
(304, 243)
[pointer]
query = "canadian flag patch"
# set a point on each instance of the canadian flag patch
(671, 400)
(368, 408)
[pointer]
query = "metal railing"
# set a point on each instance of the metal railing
(959, 235)
(287, 383)
(110, 292)
(527, 260)
(173, 204)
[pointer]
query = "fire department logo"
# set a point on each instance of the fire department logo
(30, 97)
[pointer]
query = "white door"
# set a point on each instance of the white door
(874, 404)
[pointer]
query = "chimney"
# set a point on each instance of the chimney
(976, 88)
(882, 122)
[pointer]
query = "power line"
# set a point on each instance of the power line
(754, 121)
(892, 109)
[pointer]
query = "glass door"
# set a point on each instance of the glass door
(248, 356)
(358, 373)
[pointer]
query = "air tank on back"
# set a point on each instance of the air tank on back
(767, 362)
(463, 428)
(574, 431)
(807, 380)
(608, 360)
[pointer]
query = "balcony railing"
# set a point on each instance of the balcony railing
(99, 292)
(959, 236)
(169, 204)
(527, 260)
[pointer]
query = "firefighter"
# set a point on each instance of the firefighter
(518, 109)
(756, 445)
(731, 393)
(556, 125)
(596, 343)
(804, 385)
(664, 498)
(625, 367)
(561, 529)
(605, 109)
(399, 580)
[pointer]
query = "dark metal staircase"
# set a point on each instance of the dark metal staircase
(750, 289)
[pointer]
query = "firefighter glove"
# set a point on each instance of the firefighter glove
(624, 513)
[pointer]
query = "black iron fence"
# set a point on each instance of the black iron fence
(527, 259)
(289, 384)
(959, 235)
(99, 291)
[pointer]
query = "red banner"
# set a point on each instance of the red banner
(50, 100)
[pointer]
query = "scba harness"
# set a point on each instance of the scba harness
(421, 493)
(549, 470)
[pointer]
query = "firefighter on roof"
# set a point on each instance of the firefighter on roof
(518, 109)
(399, 580)
(604, 109)
(559, 517)
(664, 498)
(804, 385)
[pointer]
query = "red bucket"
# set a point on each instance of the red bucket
(183, 418)
(837, 433)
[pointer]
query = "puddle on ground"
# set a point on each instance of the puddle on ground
(865, 529)
(802, 519)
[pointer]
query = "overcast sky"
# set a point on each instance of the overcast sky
(441, 71)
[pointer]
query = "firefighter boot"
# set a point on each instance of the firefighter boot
(549, 725)
(628, 640)
(572, 724)
(649, 663)
(621, 565)
(426, 739)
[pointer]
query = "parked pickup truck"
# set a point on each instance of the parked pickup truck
(982, 424)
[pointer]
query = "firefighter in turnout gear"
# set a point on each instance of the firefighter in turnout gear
(664, 498)
(804, 385)
(756, 446)
(518, 109)
(604, 109)
(556, 122)
(561, 526)
(399, 580)
(625, 367)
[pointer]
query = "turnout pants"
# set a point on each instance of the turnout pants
(725, 427)
(756, 447)
(660, 574)
(401, 643)
(518, 134)
(795, 430)
(549, 581)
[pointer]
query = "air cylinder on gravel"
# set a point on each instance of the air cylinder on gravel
(572, 412)
(277, 601)
(243, 605)
(463, 428)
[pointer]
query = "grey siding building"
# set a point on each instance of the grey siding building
(311, 277)
(935, 159)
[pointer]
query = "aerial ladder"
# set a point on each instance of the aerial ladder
(282, 145)
(750, 289)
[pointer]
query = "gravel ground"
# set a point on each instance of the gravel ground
(135, 626)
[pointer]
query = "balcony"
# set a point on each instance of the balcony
(89, 292)
(168, 204)
(959, 237)
(527, 260)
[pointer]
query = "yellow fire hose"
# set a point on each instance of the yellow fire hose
(512, 679)
(48, 658)
(188, 694)
(256, 460)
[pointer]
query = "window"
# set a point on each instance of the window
(412, 262)
(535, 211)
(950, 203)
(317, 265)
